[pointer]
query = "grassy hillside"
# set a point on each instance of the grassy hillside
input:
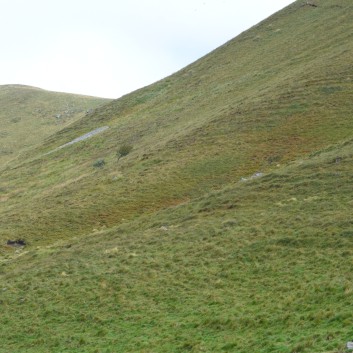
(29, 114)
(226, 228)
(275, 93)
(259, 266)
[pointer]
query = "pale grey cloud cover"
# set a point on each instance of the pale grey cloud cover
(111, 47)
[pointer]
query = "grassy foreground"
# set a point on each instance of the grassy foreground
(263, 265)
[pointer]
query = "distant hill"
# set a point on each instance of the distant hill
(208, 212)
(28, 115)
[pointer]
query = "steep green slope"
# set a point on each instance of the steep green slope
(275, 93)
(29, 114)
(179, 246)
(259, 266)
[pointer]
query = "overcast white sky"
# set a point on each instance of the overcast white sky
(108, 48)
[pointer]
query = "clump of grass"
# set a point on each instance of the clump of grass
(123, 151)
(99, 163)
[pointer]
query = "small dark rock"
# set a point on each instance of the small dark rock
(16, 243)
(309, 3)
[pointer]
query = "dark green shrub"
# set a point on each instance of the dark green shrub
(99, 163)
(123, 151)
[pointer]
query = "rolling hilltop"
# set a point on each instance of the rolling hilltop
(211, 214)
(28, 115)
